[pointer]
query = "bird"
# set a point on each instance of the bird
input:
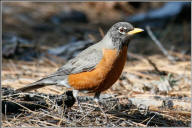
(96, 68)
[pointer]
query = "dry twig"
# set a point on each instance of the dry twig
(158, 43)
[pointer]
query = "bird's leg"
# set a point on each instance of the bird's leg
(96, 99)
(75, 94)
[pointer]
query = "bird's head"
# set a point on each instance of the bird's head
(121, 32)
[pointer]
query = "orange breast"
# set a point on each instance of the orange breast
(104, 75)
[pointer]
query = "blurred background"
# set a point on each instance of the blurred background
(39, 37)
(55, 24)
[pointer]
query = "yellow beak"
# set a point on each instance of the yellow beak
(135, 31)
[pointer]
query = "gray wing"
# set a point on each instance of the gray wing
(85, 61)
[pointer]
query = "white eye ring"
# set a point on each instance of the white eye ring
(122, 30)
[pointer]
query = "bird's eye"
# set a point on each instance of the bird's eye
(121, 30)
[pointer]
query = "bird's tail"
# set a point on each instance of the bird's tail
(38, 84)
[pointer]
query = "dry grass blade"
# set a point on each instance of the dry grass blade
(101, 32)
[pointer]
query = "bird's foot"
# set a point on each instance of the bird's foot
(79, 104)
(101, 109)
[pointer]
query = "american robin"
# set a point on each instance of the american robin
(96, 68)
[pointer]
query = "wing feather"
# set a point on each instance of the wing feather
(85, 61)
